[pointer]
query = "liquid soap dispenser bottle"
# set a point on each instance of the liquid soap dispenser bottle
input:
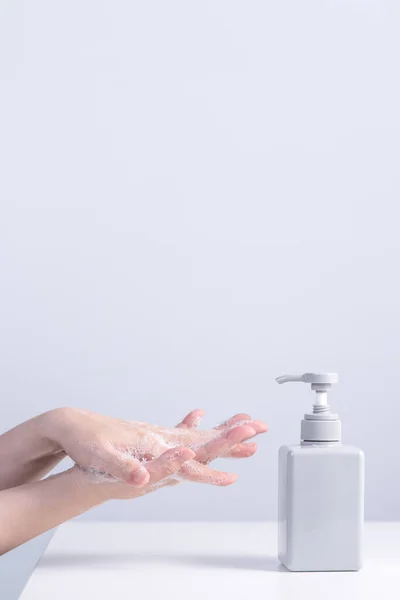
(320, 491)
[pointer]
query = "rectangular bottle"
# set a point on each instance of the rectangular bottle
(321, 507)
(320, 491)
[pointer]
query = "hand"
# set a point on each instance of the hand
(111, 453)
(136, 453)
(123, 449)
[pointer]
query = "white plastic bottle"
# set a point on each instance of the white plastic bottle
(321, 491)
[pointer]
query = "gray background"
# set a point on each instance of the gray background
(195, 198)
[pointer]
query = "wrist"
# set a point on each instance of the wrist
(38, 441)
(54, 423)
(90, 485)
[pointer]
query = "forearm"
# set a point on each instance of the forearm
(28, 452)
(31, 509)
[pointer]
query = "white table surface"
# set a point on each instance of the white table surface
(200, 561)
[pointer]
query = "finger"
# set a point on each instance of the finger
(124, 467)
(192, 420)
(233, 420)
(168, 463)
(242, 451)
(195, 471)
(258, 426)
(224, 443)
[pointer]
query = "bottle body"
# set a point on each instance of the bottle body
(321, 507)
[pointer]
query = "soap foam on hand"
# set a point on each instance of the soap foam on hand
(153, 441)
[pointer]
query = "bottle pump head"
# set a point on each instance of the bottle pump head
(321, 425)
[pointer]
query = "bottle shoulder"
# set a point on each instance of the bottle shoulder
(302, 449)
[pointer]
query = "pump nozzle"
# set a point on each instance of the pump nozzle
(320, 383)
(321, 425)
(316, 378)
(286, 378)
